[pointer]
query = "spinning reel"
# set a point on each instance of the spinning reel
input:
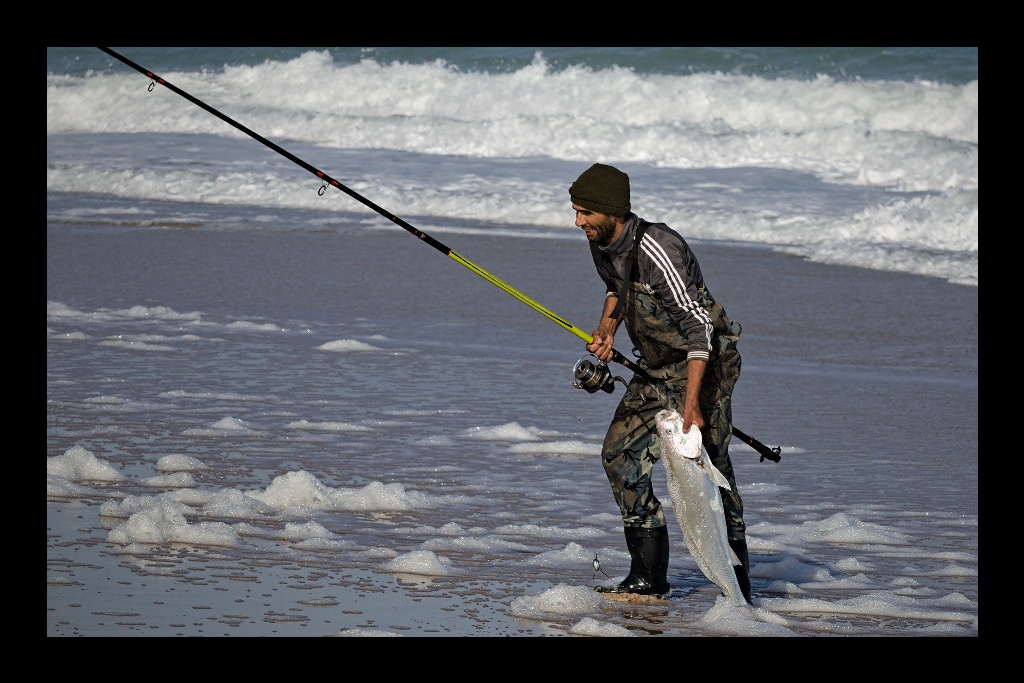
(594, 376)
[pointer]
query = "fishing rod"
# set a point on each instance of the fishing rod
(596, 376)
(328, 180)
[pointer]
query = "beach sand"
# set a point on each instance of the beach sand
(868, 379)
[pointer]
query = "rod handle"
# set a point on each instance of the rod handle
(773, 454)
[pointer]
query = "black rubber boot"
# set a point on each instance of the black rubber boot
(742, 571)
(648, 568)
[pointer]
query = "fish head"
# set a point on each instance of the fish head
(674, 440)
(669, 423)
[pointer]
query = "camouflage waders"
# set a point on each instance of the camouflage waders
(632, 447)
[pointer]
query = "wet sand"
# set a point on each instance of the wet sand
(824, 347)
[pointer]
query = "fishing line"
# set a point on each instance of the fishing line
(265, 171)
(327, 181)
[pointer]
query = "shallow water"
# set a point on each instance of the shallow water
(218, 345)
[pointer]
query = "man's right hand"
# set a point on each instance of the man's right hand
(602, 345)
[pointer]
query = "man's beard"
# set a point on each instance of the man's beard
(605, 229)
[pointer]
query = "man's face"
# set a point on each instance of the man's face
(599, 227)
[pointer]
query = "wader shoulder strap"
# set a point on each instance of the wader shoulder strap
(641, 228)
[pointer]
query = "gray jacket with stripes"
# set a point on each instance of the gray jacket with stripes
(667, 274)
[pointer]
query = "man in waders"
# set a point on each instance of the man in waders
(686, 345)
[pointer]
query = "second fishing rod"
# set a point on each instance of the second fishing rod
(327, 180)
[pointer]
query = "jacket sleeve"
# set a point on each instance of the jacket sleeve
(674, 276)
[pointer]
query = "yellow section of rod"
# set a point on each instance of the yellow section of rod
(522, 297)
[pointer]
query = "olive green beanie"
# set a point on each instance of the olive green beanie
(601, 188)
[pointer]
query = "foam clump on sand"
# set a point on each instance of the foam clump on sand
(366, 633)
(562, 599)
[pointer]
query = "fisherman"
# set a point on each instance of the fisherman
(687, 347)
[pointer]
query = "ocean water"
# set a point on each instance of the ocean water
(271, 411)
(855, 156)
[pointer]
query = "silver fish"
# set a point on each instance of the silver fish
(693, 483)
